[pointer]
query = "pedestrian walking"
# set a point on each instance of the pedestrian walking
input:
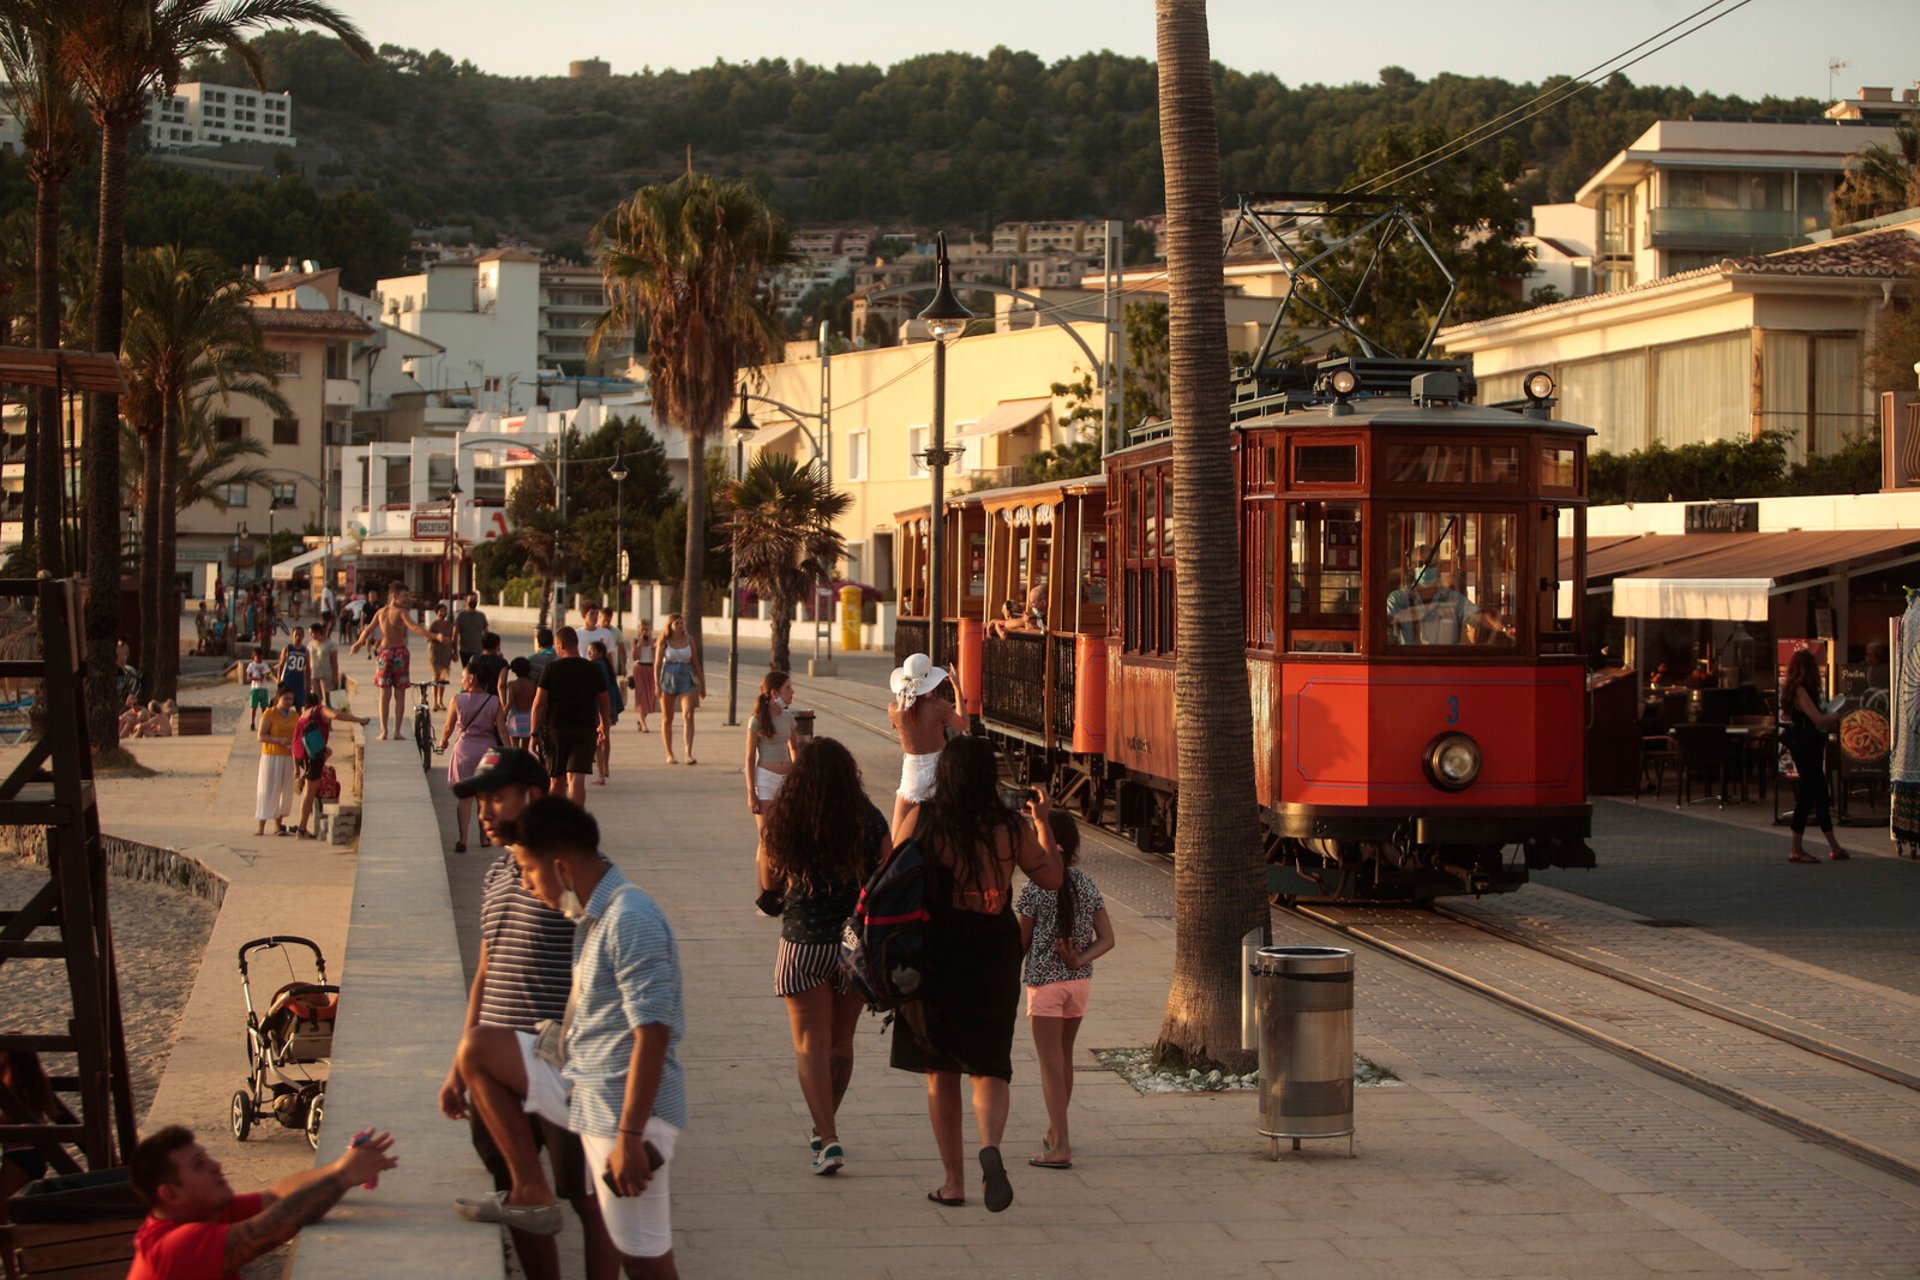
(543, 653)
(492, 664)
(683, 681)
(646, 694)
(389, 625)
(296, 664)
(1804, 734)
(326, 663)
(821, 841)
(1062, 934)
(469, 627)
(571, 714)
(259, 675)
(972, 842)
(925, 711)
(312, 747)
(273, 790)
(478, 718)
(440, 652)
(517, 694)
(610, 1069)
(616, 701)
(524, 975)
(770, 744)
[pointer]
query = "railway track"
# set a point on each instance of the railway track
(1857, 1104)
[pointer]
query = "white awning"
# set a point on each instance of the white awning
(288, 568)
(1732, 582)
(408, 548)
(1719, 599)
(1008, 415)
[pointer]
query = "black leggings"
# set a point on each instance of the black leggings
(1810, 798)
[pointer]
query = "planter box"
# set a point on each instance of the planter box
(193, 721)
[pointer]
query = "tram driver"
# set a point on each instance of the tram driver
(1432, 612)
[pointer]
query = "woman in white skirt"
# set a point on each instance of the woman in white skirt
(770, 745)
(273, 795)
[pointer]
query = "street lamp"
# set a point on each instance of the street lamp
(946, 320)
(453, 534)
(743, 430)
(273, 505)
(618, 471)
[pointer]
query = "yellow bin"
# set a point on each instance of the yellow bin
(850, 599)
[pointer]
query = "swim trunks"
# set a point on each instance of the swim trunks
(394, 671)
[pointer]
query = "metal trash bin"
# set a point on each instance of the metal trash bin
(1304, 1000)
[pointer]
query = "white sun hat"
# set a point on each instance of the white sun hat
(914, 677)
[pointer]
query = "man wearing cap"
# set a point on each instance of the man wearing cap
(525, 972)
(923, 724)
(1430, 612)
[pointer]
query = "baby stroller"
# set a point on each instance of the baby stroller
(294, 1033)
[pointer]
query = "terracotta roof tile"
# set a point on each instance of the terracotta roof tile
(1892, 252)
(344, 323)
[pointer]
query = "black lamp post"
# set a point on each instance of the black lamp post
(273, 505)
(618, 471)
(453, 534)
(946, 320)
(743, 429)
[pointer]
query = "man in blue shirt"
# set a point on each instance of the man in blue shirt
(613, 1077)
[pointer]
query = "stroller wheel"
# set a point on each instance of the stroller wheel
(316, 1113)
(241, 1115)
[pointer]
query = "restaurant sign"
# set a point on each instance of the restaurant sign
(1723, 517)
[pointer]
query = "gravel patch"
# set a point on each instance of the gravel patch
(1134, 1066)
(159, 936)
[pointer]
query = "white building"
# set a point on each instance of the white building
(205, 115)
(484, 313)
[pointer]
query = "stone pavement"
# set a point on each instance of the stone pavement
(1446, 1182)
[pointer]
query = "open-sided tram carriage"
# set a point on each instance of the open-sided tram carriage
(1417, 675)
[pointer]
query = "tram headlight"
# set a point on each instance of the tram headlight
(1538, 386)
(1343, 382)
(1453, 761)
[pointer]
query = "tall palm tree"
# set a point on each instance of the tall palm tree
(779, 520)
(1881, 179)
(191, 331)
(1218, 876)
(686, 263)
(120, 52)
(41, 96)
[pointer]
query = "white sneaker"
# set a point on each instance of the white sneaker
(829, 1159)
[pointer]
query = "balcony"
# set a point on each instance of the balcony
(341, 393)
(1675, 228)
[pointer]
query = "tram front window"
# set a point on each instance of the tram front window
(1452, 579)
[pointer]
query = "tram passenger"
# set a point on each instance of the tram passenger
(1432, 612)
(1012, 619)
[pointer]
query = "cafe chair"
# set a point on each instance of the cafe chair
(1707, 751)
(1658, 753)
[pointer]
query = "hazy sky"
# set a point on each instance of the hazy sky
(1769, 46)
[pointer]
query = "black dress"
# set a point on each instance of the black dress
(965, 1022)
(1807, 744)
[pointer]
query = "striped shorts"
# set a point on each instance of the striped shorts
(802, 966)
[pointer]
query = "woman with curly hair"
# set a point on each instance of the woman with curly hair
(822, 839)
(972, 842)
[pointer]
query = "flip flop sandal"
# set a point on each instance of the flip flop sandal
(1040, 1162)
(937, 1198)
(1802, 857)
(999, 1191)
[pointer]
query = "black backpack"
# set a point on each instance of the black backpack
(883, 945)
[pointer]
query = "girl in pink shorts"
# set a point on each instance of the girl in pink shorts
(1062, 933)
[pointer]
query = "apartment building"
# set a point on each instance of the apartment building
(197, 114)
(1688, 193)
(572, 300)
(485, 315)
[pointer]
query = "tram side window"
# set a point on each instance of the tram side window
(1323, 577)
(1557, 630)
(1093, 580)
(1452, 578)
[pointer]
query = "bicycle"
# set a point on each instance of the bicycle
(423, 723)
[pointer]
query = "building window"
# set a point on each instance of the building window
(285, 363)
(230, 429)
(916, 447)
(399, 482)
(232, 495)
(286, 431)
(286, 493)
(856, 456)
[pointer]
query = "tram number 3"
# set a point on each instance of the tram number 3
(1453, 710)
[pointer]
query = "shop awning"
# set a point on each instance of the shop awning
(286, 570)
(1732, 582)
(1008, 415)
(404, 548)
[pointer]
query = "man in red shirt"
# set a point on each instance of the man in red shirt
(200, 1230)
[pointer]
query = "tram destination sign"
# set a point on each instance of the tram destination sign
(1723, 517)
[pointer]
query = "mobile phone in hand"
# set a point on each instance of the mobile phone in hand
(361, 1139)
(654, 1161)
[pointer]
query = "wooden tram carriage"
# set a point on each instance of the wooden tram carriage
(1418, 695)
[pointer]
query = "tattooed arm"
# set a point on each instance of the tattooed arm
(304, 1198)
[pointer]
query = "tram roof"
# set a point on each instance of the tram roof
(1015, 493)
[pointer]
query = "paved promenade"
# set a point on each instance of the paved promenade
(1505, 1150)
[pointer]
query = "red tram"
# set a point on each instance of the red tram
(1418, 688)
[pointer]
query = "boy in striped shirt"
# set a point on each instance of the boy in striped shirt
(525, 972)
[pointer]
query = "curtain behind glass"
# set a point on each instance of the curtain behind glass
(1837, 393)
(1609, 395)
(1700, 391)
(1783, 389)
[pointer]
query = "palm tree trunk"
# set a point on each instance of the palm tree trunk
(693, 572)
(103, 438)
(47, 468)
(1218, 876)
(781, 659)
(151, 566)
(163, 548)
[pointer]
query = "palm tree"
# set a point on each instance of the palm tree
(1881, 179)
(191, 331)
(119, 52)
(1218, 877)
(686, 263)
(779, 519)
(41, 96)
